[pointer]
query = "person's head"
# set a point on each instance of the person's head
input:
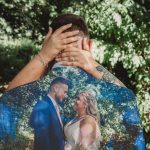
(78, 23)
(59, 88)
(86, 102)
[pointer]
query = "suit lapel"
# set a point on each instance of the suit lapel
(47, 99)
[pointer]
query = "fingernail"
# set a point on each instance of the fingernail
(70, 24)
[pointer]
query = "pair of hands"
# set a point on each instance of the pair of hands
(63, 47)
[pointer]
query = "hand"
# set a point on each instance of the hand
(56, 42)
(73, 56)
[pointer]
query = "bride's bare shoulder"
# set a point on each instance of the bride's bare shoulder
(88, 120)
(88, 127)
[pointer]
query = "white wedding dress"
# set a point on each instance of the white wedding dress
(72, 132)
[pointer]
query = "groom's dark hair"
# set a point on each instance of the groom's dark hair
(61, 80)
(78, 23)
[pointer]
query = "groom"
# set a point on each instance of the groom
(46, 120)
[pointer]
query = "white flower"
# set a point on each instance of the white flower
(147, 96)
(136, 60)
(117, 19)
(115, 58)
(98, 52)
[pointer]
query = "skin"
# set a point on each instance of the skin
(87, 125)
(83, 58)
(52, 45)
(58, 92)
(63, 47)
(79, 106)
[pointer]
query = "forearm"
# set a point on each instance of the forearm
(93, 71)
(31, 72)
(52, 45)
(99, 72)
(108, 76)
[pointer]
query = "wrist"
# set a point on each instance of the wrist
(46, 58)
(93, 70)
(91, 67)
(97, 74)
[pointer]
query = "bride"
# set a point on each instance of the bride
(83, 133)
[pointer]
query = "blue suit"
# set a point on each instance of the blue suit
(8, 120)
(47, 127)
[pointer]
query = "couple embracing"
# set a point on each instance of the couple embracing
(81, 133)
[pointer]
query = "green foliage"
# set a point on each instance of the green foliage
(26, 19)
(14, 55)
(21, 141)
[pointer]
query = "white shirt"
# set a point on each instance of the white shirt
(57, 109)
(56, 65)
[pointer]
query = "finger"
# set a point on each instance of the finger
(72, 49)
(68, 54)
(85, 44)
(63, 59)
(49, 33)
(72, 45)
(70, 40)
(62, 29)
(69, 34)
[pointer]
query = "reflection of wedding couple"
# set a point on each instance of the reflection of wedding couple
(81, 133)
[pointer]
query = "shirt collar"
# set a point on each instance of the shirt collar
(53, 101)
(56, 65)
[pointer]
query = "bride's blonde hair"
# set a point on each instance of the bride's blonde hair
(91, 105)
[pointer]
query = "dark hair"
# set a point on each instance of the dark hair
(78, 23)
(61, 80)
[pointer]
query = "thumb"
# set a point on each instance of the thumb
(49, 33)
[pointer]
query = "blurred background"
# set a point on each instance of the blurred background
(120, 30)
